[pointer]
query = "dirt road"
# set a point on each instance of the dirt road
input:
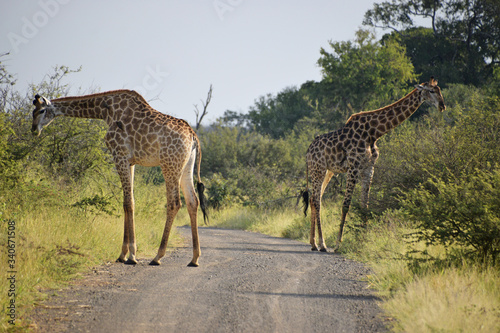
(246, 282)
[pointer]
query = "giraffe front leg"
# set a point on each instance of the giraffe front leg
(129, 236)
(352, 176)
(126, 173)
(365, 191)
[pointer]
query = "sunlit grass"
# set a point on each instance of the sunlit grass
(56, 242)
(453, 300)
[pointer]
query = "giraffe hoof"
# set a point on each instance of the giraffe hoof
(324, 249)
(131, 262)
(314, 248)
(154, 263)
(192, 264)
(120, 260)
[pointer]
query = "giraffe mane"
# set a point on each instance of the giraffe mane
(105, 93)
(378, 110)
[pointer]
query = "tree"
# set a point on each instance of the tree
(365, 73)
(275, 115)
(465, 34)
(69, 148)
(199, 117)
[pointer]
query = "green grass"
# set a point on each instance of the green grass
(56, 242)
(451, 300)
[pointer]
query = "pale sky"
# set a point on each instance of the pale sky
(174, 49)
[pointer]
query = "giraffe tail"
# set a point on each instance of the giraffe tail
(200, 186)
(203, 200)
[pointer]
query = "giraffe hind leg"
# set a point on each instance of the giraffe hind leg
(173, 206)
(315, 203)
(328, 176)
(192, 204)
(318, 184)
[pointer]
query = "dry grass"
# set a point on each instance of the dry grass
(454, 300)
(55, 242)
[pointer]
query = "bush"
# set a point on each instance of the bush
(463, 215)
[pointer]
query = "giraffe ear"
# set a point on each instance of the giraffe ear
(37, 100)
(419, 86)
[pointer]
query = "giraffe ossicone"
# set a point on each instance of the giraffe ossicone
(352, 149)
(139, 135)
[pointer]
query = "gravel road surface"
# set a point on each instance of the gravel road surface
(246, 282)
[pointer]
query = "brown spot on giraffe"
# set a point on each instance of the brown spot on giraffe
(356, 152)
(138, 134)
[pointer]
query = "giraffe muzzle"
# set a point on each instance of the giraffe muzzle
(35, 131)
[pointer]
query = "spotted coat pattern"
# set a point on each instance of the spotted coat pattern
(352, 149)
(138, 135)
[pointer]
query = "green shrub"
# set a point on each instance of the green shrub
(219, 192)
(463, 215)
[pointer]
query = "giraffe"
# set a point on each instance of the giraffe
(138, 134)
(353, 150)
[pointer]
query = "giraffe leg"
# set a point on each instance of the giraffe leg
(319, 181)
(126, 173)
(352, 177)
(173, 206)
(326, 180)
(315, 210)
(367, 177)
(315, 203)
(192, 204)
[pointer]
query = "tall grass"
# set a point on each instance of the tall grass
(453, 300)
(56, 241)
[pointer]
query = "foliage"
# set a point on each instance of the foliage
(449, 145)
(96, 205)
(219, 192)
(153, 176)
(465, 46)
(275, 116)
(365, 74)
(462, 215)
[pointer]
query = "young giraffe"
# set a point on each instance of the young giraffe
(138, 134)
(352, 149)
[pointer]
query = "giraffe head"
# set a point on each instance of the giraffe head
(429, 91)
(42, 115)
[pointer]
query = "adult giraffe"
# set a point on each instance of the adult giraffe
(352, 149)
(138, 134)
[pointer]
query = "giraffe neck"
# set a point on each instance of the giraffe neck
(95, 106)
(379, 122)
(80, 108)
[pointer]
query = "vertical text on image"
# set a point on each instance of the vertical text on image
(11, 271)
